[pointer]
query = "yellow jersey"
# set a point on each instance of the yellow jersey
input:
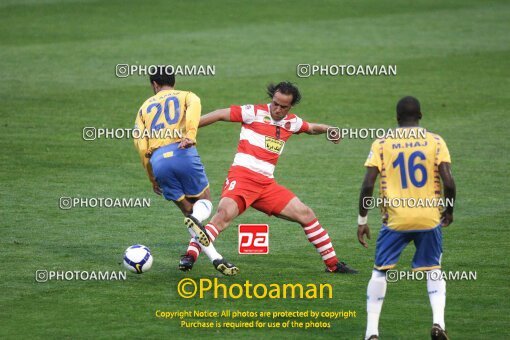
(166, 118)
(410, 185)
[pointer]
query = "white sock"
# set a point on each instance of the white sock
(437, 295)
(210, 251)
(376, 291)
(202, 209)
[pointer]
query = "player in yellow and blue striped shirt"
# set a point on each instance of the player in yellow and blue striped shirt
(167, 126)
(410, 170)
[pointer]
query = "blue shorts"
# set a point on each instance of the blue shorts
(179, 172)
(391, 243)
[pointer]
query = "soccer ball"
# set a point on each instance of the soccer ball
(138, 259)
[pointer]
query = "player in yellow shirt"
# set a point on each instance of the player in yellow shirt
(166, 130)
(410, 170)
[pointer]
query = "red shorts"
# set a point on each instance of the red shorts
(248, 188)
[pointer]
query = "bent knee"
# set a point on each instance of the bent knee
(306, 214)
(222, 218)
(185, 206)
(223, 215)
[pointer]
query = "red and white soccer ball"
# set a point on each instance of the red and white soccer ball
(138, 259)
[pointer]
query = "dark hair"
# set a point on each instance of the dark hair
(161, 77)
(408, 109)
(285, 87)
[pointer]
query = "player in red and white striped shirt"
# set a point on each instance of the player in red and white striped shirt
(265, 130)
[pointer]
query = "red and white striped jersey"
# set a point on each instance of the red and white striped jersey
(262, 139)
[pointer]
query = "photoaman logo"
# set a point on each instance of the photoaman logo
(253, 239)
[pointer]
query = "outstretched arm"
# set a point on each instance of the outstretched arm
(213, 117)
(318, 129)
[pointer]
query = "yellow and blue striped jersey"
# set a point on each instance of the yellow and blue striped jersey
(409, 176)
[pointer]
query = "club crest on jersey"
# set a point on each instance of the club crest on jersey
(267, 119)
(274, 145)
(287, 126)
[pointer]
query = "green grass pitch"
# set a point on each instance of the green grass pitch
(57, 61)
